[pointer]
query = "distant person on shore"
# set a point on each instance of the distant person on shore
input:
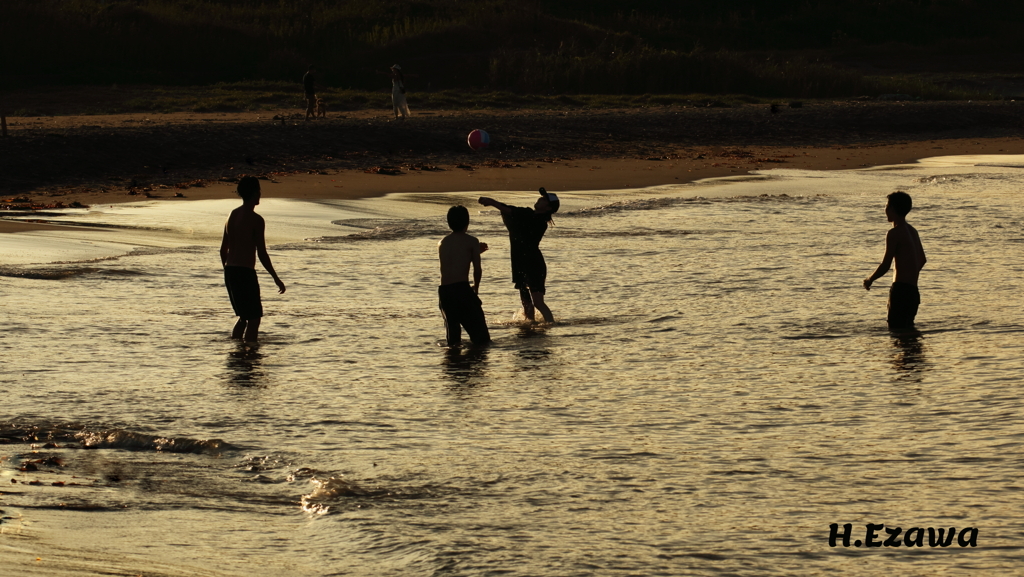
(243, 242)
(309, 85)
(526, 228)
(398, 92)
(902, 244)
(460, 305)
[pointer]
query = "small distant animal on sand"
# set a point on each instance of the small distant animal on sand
(321, 108)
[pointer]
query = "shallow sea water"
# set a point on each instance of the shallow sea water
(717, 390)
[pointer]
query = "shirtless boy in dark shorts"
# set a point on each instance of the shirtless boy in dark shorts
(243, 242)
(460, 305)
(903, 245)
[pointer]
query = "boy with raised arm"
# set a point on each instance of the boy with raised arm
(903, 245)
(243, 241)
(526, 228)
(459, 303)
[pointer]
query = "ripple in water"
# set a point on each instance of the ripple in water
(717, 389)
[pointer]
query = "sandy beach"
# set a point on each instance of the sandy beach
(54, 162)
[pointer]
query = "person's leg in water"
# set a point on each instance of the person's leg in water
(239, 330)
(534, 301)
(528, 311)
(538, 301)
(452, 327)
(252, 330)
(247, 330)
(476, 324)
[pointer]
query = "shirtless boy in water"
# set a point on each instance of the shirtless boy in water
(243, 242)
(903, 244)
(460, 305)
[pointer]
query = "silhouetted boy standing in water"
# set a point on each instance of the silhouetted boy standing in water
(903, 244)
(243, 242)
(526, 228)
(460, 305)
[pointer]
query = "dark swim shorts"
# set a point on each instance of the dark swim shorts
(530, 273)
(461, 307)
(244, 291)
(903, 302)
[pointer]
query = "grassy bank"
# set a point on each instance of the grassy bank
(277, 96)
(807, 49)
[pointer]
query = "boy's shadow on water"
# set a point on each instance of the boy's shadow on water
(466, 368)
(532, 350)
(245, 367)
(909, 357)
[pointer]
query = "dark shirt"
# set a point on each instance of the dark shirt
(525, 231)
(308, 82)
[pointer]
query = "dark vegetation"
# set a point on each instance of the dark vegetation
(931, 49)
(274, 96)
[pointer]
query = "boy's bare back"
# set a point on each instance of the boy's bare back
(243, 235)
(457, 252)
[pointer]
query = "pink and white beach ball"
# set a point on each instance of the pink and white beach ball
(478, 139)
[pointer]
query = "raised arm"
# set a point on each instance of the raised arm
(504, 208)
(261, 252)
(883, 267)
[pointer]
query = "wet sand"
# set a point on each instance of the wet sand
(104, 159)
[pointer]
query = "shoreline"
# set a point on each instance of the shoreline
(59, 161)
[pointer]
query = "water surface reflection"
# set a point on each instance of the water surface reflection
(245, 367)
